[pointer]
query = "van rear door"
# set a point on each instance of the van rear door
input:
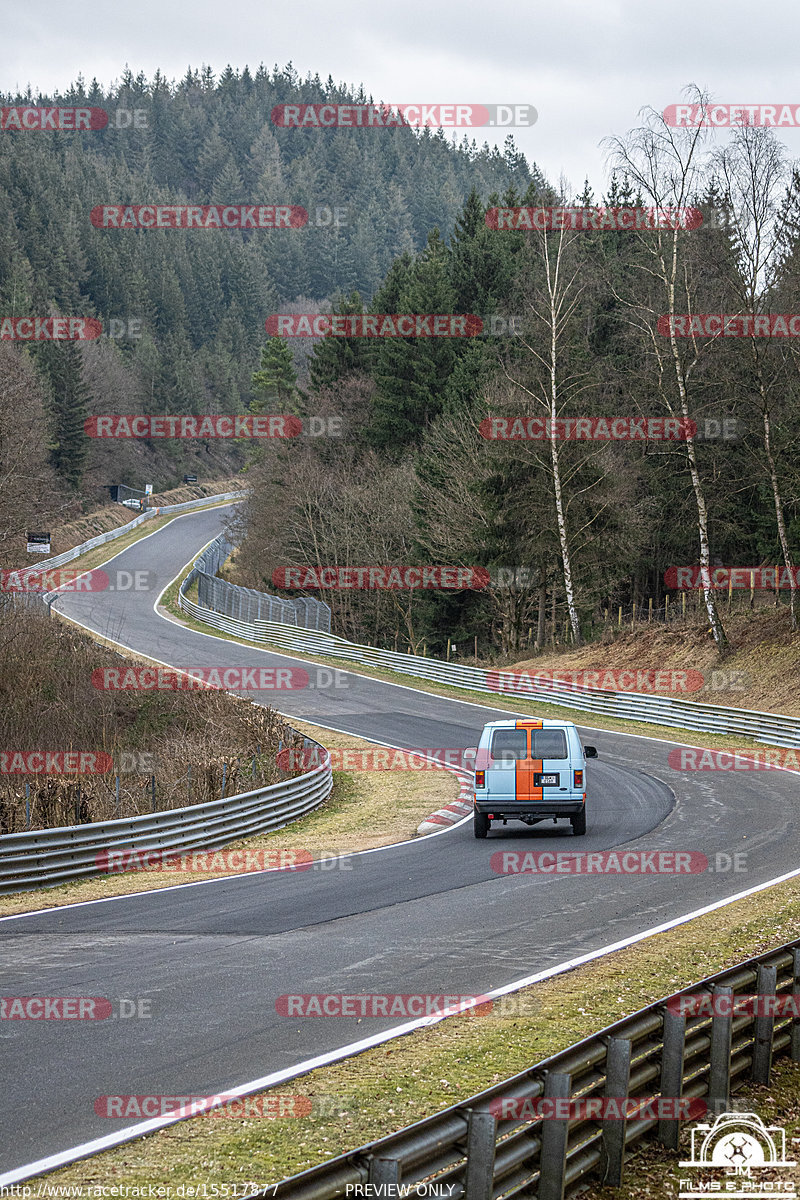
(545, 774)
(507, 752)
(550, 749)
(529, 770)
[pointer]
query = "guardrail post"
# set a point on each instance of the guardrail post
(719, 1075)
(481, 1141)
(795, 1044)
(618, 1076)
(764, 1024)
(671, 1085)
(384, 1171)
(553, 1153)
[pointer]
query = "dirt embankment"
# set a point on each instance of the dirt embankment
(761, 672)
(111, 516)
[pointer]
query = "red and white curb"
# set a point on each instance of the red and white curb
(451, 813)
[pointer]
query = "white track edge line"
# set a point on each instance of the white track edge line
(63, 1157)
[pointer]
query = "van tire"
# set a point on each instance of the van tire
(480, 824)
(578, 822)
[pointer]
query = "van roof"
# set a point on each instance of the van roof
(536, 722)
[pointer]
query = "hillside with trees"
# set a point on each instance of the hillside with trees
(198, 300)
(570, 530)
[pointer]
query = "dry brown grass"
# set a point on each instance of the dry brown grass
(49, 703)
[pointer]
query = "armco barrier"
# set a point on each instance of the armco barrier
(247, 604)
(36, 599)
(466, 1153)
(48, 857)
(771, 728)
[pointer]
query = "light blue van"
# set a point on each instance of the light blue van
(530, 770)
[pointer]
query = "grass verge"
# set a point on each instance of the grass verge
(103, 554)
(379, 1091)
(589, 720)
(653, 1170)
(390, 1086)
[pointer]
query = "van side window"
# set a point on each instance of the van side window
(548, 743)
(509, 744)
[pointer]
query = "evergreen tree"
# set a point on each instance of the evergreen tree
(68, 409)
(275, 382)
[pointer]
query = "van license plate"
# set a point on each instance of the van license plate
(546, 780)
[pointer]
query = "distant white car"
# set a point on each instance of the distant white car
(132, 503)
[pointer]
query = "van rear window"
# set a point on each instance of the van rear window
(548, 743)
(509, 744)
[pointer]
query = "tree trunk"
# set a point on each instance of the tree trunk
(717, 628)
(542, 617)
(776, 495)
(569, 590)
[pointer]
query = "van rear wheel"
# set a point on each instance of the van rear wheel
(480, 824)
(578, 822)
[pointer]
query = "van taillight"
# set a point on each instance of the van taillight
(480, 779)
(578, 779)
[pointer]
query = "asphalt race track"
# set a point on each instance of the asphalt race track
(427, 916)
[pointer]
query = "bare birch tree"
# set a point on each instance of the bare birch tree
(758, 187)
(666, 166)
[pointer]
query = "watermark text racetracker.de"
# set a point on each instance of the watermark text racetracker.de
(273, 1106)
(615, 862)
(198, 216)
(522, 428)
(233, 679)
(393, 116)
(783, 1004)
(55, 762)
(738, 325)
(374, 325)
(394, 325)
(173, 861)
(389, 578)
(593, 218)
(379, 758)
(597, 1108)
(646, 680)
(587, 429)
(724, 116)
(772, 758)
(220, 216)
(75, 1008)
(75, 579)
(409, 1006)
(233, 425)
(692, 578)
(27, 118)
(49, 329)
(68, 329)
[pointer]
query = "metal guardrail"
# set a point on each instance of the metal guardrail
(774, 729)
(467, 1153)
(37, 598)
(111, 534)
(48, 857)
(248, 604)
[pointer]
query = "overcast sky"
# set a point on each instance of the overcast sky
(587, 66)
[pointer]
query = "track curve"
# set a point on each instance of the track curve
(423, 916)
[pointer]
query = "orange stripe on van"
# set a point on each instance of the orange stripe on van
(524, 780)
